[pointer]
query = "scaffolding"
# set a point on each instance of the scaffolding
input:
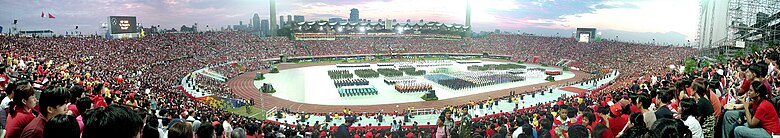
(747, 23)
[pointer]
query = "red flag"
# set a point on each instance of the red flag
(42, 15)
(51, 16)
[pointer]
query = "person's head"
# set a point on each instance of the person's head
(756, 71)
(206, 131)
(24, 96)
(644, 100)
(84, 104)
(349, 120)
(238, 133)
(688, 107)
(9, 90)
(588, 118)
(578, 131)
(637, 119)
(546, 123)
(700, 90)
(757, 91)
(180, 130)
(113, 121)
(150, 130)
(76, 92)
(598, 130)
(61, 126)
(251, 129)
(54, 101)
(563, 111)
(665, 96)
(219, 131)
(671, 128)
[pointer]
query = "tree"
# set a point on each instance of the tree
(740, 53)
(754, 48)
(721, 58)
(690, 65)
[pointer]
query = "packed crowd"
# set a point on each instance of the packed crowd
(131, 83)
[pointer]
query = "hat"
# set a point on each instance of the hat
(615, 109)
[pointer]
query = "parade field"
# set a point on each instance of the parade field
(313, 85)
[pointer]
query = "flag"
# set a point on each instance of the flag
(77, 27)
(51, 16)
(42, 15)
(15, 21)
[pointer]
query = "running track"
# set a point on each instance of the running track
(243, 85)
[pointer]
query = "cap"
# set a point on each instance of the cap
(615, 109)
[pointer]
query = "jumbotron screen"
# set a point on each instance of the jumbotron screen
(122, 24)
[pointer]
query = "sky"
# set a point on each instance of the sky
(667, 21)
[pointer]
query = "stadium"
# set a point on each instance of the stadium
(356, 78)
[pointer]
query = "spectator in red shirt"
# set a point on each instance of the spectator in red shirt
(601, 131)
(616, 121)
(52, 102)
(251, 130)
(76, 92)
(764, 121)
(22, 113)
(114, 121)
(62, 126)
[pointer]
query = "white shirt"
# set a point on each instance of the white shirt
(228, 128)
(517, 132)
(694, 126)
(4, 103)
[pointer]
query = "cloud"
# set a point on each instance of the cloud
(654, 16)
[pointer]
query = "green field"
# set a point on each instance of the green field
(256, 112)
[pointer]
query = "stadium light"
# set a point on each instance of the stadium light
(401, 30)
(362, 29)
(338, 29)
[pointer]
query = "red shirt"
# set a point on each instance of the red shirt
(769, 120)
(35, 128)
(72, 108)
(17, 122)
(4, 80)
(248, 136)
(616, 124)
(608, 134)
(635, 109)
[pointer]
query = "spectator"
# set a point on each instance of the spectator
(764, 121)
(688, 112)
(76, 93)
(82, 106)
(180, 130)
(645, 102)
(53, 102)
(602, 131)
(578, 131)
(238, 133)
(251, 130)
(635, 128)
(113, 121)
(61, 126)
(22, 113)
(671, 128)
(206, 131)
(226, 125)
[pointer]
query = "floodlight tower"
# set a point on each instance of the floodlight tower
(468, 18)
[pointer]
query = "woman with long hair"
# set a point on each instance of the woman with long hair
(763, 120)
(20, 110)
(441, 129)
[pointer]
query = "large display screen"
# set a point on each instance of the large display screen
(122, 24)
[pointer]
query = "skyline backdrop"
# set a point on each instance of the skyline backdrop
(665, 21)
